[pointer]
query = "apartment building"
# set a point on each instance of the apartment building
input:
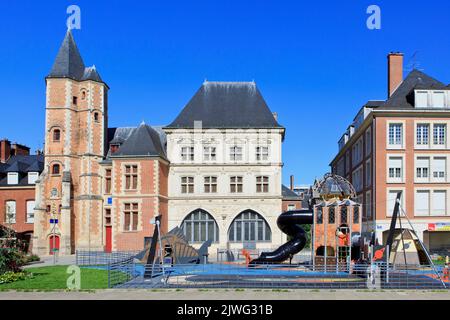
(402, 144)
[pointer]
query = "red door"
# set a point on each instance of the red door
(108, 242)
(54, 244)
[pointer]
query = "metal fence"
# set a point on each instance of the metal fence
(99, 258)
(365, 277)
(222, 255)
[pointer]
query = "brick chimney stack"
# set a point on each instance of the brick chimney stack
(5, 150)
(395, 71)
(291, 182)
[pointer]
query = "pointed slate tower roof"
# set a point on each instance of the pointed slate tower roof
(144, 141)
(69, 64)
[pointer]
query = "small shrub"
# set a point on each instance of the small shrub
(10, 276)
(10, 260)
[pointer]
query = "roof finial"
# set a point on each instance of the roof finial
(143, 123)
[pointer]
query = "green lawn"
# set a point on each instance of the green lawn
(55, 277)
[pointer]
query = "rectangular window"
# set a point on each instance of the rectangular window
(291, 207)
(187, 184)
(10, 209)
(210, 184)
(395, 168)
(131, 216)
(395, 134)
(368, 142)
(392, 196)
(439, 134)
(262, 184)
(236, 184)
(422, 134)
(131, 177)
(262, 153)
(368, 206)
(209, 153)
(108, 217)
(13, 177)
(30, 211)
(235, 153)
(422, 168)
(438, 168)
(187, 153)
(368, 173)
(421, 99)
(32, 177)
(422, 203)
(439, 99)
(439, 200)
(108, 181)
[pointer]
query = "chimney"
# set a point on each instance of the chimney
(395, 71)
(275, 115)
(19, 149)
(291, 182)
(5, 150)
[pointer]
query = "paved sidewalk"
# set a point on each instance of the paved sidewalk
(47, 261)
(222, 294)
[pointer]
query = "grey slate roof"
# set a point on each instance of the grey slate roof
(69, 64)
(140, 142)
(403, 96)
(21, 164)
(288, 194)
(226, 105)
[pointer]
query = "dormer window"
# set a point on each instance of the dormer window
(56, 135)
(13, 178)
(421, 99)
(431, 99)
(32, 177)
(114, 148)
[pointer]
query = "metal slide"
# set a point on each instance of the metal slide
(288, 222)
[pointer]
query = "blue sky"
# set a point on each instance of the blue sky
(314, 63)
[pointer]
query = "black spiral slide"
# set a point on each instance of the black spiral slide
(288, 222)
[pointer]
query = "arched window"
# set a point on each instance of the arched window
(56, 135)
(55, 169)
(249, 226)
(200, 226)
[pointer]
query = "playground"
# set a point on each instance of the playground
(342, 255)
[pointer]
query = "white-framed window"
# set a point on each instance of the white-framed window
(357, 178)
(10, 211)
(421, 99)
(423, 168)
(438, 99)
(422, 203)
(439, 132)
(209, 153)
(235, 153)
(368, 205)
(357, 152)
(395, 169)
(395, 134)
(187, 184)
(438, 166)
(130, 217)
(262, 184)
(32, 177)
(368, 141)
(368, 173)
(422, 134)
(262, 153)
(210, 184)
(291, 207)
(391, 198)
(236, 185)
(13, 178)
(30, 211)
(439, 202)
(187, 153)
